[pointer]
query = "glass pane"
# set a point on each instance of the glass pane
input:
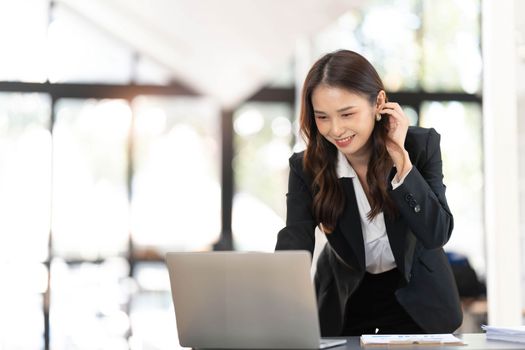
(95, 297)
(30, 277)
(81, 52)
(22, 316)
(451, 44)
(412, 115)
(21, 302)
(23, 27)
(153, 322)
(385, 32)
(263, 138)
(152, 276)
(461, 145)
(25, 176)
(151, 310)
(176, 203)
(90, 202)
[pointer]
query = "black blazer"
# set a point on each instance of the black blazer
(428, 291)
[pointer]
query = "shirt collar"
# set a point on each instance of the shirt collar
(344, 169)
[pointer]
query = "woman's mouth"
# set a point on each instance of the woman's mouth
(344, 142)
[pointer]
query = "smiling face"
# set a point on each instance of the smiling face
(345, 119)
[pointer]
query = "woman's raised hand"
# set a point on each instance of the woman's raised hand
(397, 131)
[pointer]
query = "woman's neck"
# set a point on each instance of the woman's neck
(360, 165)
(359, 160)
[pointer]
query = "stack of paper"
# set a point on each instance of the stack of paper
(409, 339)
(514, 334)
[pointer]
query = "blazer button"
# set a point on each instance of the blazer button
(417, 208)
(412, 203)
(409, 197)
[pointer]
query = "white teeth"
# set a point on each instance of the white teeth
(345, 139)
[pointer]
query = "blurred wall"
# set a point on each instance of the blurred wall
(520, 37)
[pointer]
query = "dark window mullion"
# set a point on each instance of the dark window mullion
(226, 237)
(50, 255)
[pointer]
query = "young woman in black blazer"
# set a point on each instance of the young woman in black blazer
(374, 186)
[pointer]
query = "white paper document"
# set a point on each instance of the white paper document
(514, 334)
(409, 339)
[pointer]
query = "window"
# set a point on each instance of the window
(451, 46)
(25, 187)
(88, 303)
(386, 33)
(459, 125)
(151, 314)
(90, 201)
(263, 138)
(176, 188)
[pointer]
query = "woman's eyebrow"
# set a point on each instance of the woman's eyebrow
(346, 108)
(339, 110)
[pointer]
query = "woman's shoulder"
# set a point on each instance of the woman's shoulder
(419, 138)
(419, 132)
(297, 166)
(296, 160)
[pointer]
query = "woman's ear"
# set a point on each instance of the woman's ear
(380, 100)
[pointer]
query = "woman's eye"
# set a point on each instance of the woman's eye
(346, 115)
(320, 117)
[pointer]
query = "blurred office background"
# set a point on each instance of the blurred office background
(132, 128)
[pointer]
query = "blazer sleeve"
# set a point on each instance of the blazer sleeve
(299, 233)
(421, 197)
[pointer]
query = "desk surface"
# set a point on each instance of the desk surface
(477, 341)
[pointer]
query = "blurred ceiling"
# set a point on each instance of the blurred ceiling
(226, 49)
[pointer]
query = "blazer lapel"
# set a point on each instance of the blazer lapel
(350, 223)
(395, 230)
(350, 228)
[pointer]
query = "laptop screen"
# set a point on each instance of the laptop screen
(244, 300)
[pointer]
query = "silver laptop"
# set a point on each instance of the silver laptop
(245, 300)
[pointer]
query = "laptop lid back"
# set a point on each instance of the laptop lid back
(244, 300)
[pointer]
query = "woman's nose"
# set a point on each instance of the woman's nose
(337, 127)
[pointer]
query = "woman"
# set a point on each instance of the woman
(374, 186)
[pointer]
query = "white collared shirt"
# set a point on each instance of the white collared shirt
(378, 253)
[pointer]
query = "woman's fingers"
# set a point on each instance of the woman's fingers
(397, 125)
(395, 110)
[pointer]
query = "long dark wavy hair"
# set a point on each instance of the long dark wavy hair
(351, 71)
